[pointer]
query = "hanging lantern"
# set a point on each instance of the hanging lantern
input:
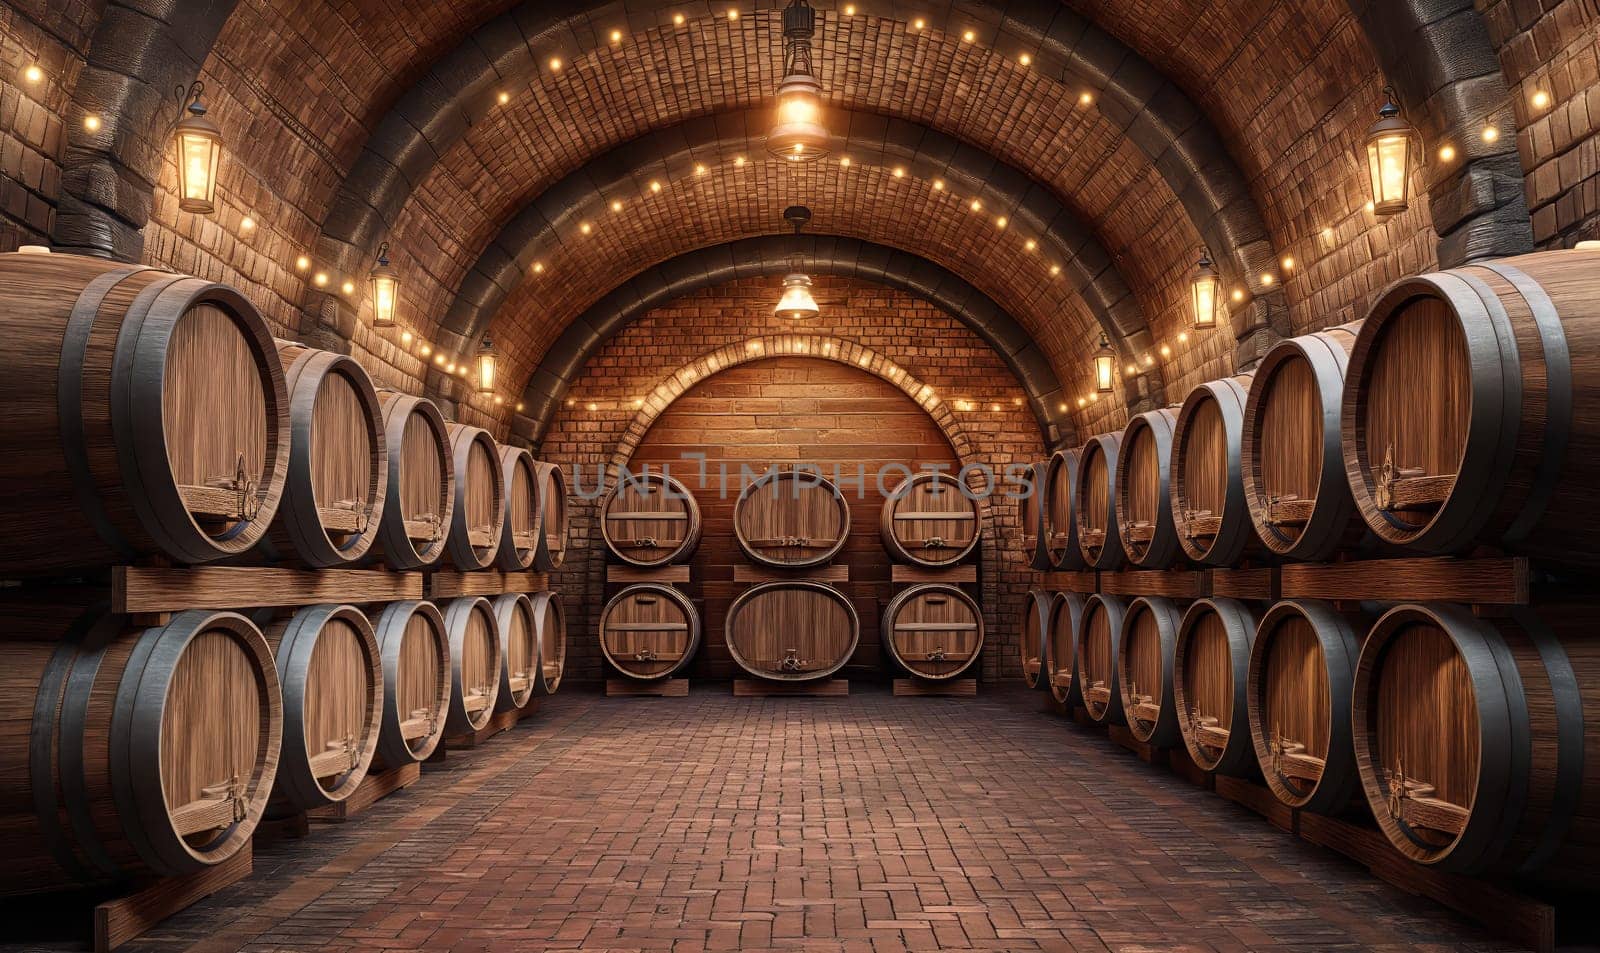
(1205, 291)
(1389, 157)
(797, 304)
(798, 134)
(1105, 362)
(486, 366)
(199, 143)
(385, 289)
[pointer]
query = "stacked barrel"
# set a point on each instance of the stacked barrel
(932, 627)
(650, 629)
(160, 424)
(1460, 418)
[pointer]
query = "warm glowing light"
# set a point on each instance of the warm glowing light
(1025, 60)
(655, 187)
(450, 368)
(1055, 270)
(1370, 207)
(938, 185)
(519, 406)
(753, 346)
(1205, 287)
(439, 360)
(616, 36)
(91, 123)
(1149, 360)
(302, 263)
(1105, 362)
(616, 205)
(844, 161)
(796, 304)
(1238, 295)
(487, 366)
(592, 407)
(1491, 134)
(733, 14)
(33, 74)
(1166, 351)
(1001, 222)
(1327, 234)
(677, 20)
(585, 228)
(1030, 245)
(977, 206)
(405, 337)
(1447, 153)
(1082, 403)
(1389, 158)
(1288, 263)
(1130, 369)
(700, 169)
(738, 162)
(1183, 337)
(1086, 98)
(538, 267)
(425, 350)
(918, 23)
(899, 172)
(349, 288)
(385, 283)
(499, 401)
(969, 36)
(849, 9)
(247, 224)
(1541, 99)
(1267, 280)
(320, 279)
(504, 98)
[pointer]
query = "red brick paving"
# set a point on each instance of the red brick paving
(869, 823)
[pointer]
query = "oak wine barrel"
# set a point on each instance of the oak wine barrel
(1210, 684)
(552, 549)
(420, 503)
(1144, 499)
(480, 511)
(1145, 670)
(1207, 479)
(1035, 639)
(1061, 660)
(649, 631)
(334, 496)
(1294, 481)
(1098, 647)
(792, 631)
(930, 520)
(650, 519)
(474, 664)
(791, 518)
(519, 539)
(1472, 409)
(933, 630)
(1094, 503)
(1030, 514)
(1478, 739)
(332, 677)
(519, 650)
(149, 416)
(1060, 520)
(550, 635)
(134, 752)
(1302, 667)
(415, 650)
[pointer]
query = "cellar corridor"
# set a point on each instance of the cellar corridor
(865, 823)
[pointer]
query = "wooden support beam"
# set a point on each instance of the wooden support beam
(951, 575)
(120, 920)
(1174, 584)
(450, 584)
(659, 688)
(632, 574)
(837, 573)
(372, 788)
(1492, 581)
(760, 688)
(1258, 585)
(952, 688)
(143, 589)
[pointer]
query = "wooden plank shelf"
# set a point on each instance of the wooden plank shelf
(1255, 585)
(1070, 581)
(656, 688)
(125, 918)
(450, 584)
(1174, 584)
(950, 575)
(950, 688)
(147, 589)
(761, 688)
(832, 573)
(627, 575)
(373, 788)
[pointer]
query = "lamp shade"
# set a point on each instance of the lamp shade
(385, 283)
(1205, 287)
(797, 304)
(1105, 363)
(487, 367)
(199, 145)
(1389, 144)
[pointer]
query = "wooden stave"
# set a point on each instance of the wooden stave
(1238, 759)
(115, 505)
(892, 610)
(1337, 633)
(1163, 550)
(822, 557)
(691, 614)
(457, 612)
(1236, 537)
(390, 629)
(552, 484)
(543, 686)
(297, 534)
(1534, 815)
(1036, 605)
(1064, 463)
(507, 556)
(394, 546)
(1032, 523)
(1072, 603)
(1115, 609)
(1333, 525)
(293, 639)
(458, 544)
(1166, 731)
(832, 593)
(505, 606)
(691, 539)
(1111, 555)
(898, 550)
(1531, 398)
(75, 822)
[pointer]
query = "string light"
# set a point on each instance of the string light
(1447, 153)
(1491, 134)
(91, 123)
(918, 23)
(405, 337)
(938, 185)
(33, 73)
(247, 224)
(555, 64)
(899, 172)
(849, 9)
(302, 263)
(616, 205)
(504, 97)
(655, 187)
(519, 406)
(349, 287)
(320, 279)
(1001, 222)
(677, 20)
(1086, 99)
(1030, 245)
(1541, 99)
(538, 267)
(1025, 60)
(585, 227)
(969, 36)
(1288, 263)
(616, 36)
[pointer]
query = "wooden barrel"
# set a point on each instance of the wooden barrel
(133, 752)
(1477, 739)
(1144, 498)
(1061, 662)
(1098, 637)
(649, 631)
(420, 503)
(1060, 521)
(929, 520)
(792, 631)
(552, 551)
(650, 519)
(480, 510)
(1145, 671)
(1472, 409)
(1035, 639)
(334, 496)
(1207, 481)
(1211, 672)
(1094, 503)
(791, 518)
(148, 416)
(416, 681)
(933, 630)
(1294, 481)
(474, 664)
(1302, 667)
(519, 539)
(332, 677)
(550, 633)
(519, 650)
(1030, 514)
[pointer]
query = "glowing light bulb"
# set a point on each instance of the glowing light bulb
(33, 73)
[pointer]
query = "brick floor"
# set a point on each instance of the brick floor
(868, 823)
